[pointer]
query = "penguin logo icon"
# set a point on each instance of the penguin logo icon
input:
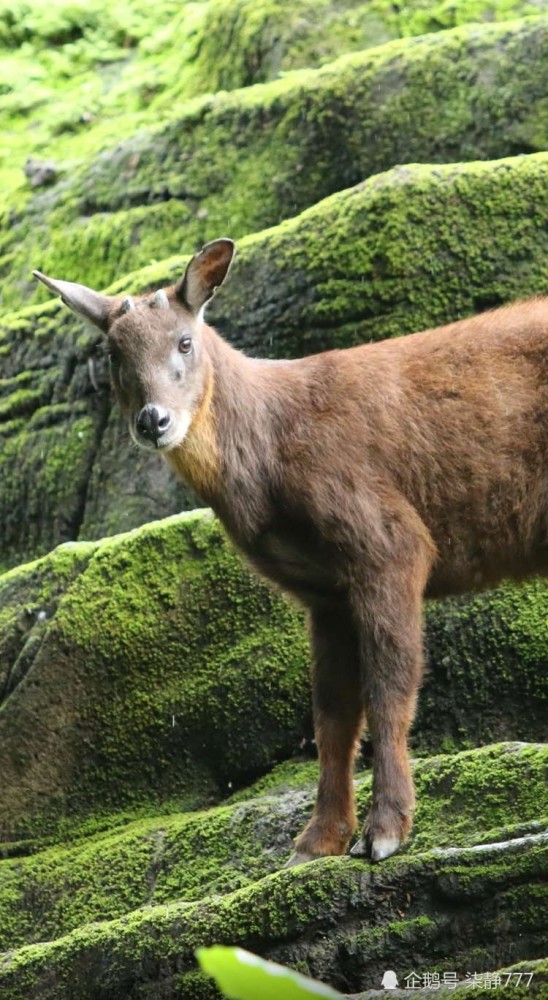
(390, 980)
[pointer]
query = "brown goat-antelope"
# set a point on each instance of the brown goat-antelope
(359, 480)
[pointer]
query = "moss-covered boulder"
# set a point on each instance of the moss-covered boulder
(414, 247)
(269, 38)
(238, 162)
(86, 74)
(120, 913)
(153, 670)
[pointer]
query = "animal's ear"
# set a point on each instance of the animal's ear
(94, 306)
(205, 273)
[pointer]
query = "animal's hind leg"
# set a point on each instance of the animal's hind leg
(338, 720)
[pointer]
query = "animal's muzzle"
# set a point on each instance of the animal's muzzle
(153, 422)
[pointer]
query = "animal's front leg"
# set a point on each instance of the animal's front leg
(390, 609)
(338, 720)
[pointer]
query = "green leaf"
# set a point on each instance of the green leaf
(243, 976)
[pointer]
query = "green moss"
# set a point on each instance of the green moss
(30, 596)
(486, 795)
(286, 915)
(53, 416)
(187, 645)
(290, 775)
(407, 249)
(241, 161)
(53, 459)
(90, 73)
(147, 677)
(274, 36)
(474, 796)
(470, 642)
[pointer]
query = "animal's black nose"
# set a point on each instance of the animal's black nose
(152, 422)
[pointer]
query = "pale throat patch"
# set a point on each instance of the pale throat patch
(196, 458)
(183, 428)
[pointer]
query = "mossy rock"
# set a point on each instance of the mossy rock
(153, 669)
(417, 246)
(142, 897)
(88, 73)
(143, 680)
(270, 37)
(475, 797)
(238, 162)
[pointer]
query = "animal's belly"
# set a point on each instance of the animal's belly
(297, 565)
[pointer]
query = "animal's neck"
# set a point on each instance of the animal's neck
(229, 444)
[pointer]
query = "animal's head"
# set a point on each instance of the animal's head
(155, 345)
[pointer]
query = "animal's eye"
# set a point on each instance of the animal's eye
(185, 344)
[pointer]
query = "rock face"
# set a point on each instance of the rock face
(154, 696)
(198, 878)
(40, 173)
(246, 160)
(123, 616)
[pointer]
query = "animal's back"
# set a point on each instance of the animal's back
(455, 421)
(472, 451)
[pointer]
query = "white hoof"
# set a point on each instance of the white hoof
(298, 858)
(360, 849)
(383, 847)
